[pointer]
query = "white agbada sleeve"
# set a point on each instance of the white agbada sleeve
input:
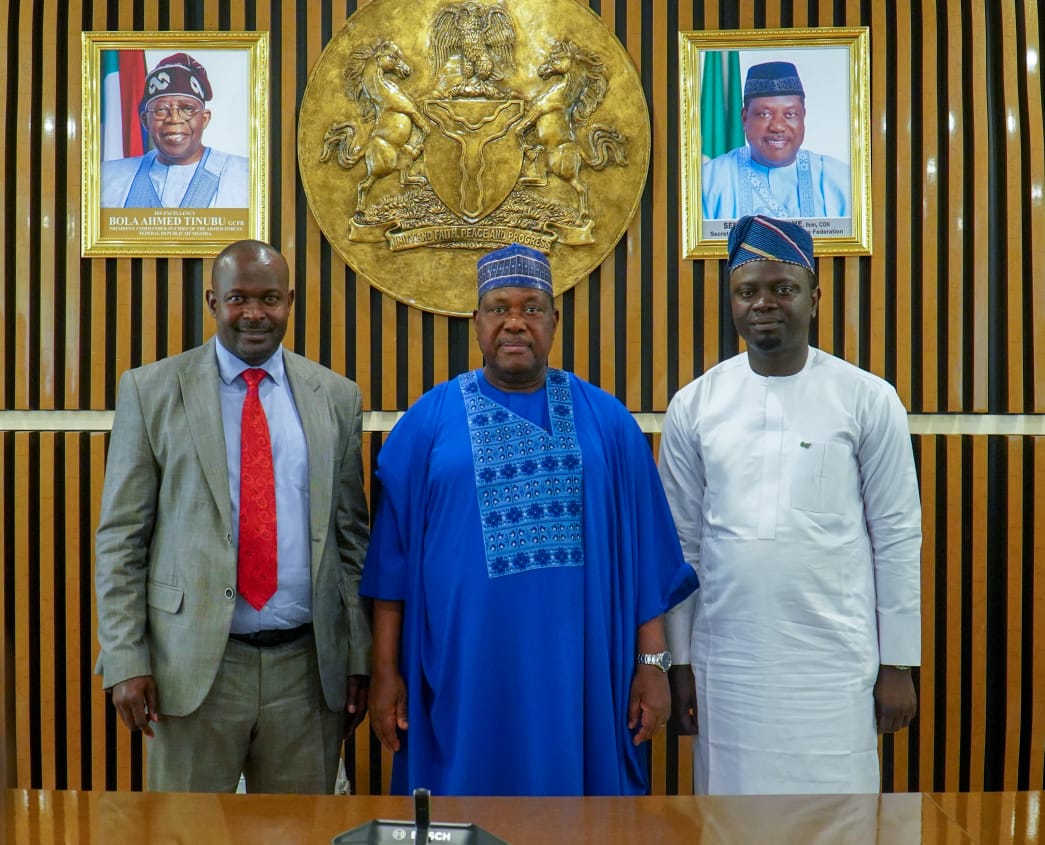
(682, 474)
(892, 510)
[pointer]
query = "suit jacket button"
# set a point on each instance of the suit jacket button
(230, 593)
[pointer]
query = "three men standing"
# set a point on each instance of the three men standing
(523, 559)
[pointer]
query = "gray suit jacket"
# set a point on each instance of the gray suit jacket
(165, 555)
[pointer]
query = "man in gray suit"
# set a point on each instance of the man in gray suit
(222, 685)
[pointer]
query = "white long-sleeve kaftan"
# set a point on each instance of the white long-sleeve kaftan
(796, 500)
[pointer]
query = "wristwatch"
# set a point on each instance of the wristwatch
(662, 660)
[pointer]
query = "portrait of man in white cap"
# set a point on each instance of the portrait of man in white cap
(179, 171)
(772, 173)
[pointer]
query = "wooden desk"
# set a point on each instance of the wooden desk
(50, 818)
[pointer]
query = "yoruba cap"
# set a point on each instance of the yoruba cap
(177, 74)
(514, 266)
(759, 238)
(772, 79)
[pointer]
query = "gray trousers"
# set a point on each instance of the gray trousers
(265, 717)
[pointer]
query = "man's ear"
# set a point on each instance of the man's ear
(814, 296)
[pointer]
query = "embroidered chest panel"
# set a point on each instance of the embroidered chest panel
(529, 482)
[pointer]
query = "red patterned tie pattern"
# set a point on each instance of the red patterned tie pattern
(257, 500)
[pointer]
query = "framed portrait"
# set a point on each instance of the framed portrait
(174, 142)
(776, 122)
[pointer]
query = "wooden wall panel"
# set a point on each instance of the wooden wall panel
(946, 308)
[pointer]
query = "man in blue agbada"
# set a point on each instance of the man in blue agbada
(773, 173)
(522, 559)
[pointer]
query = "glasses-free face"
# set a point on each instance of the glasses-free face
(250, 300)
(773, 303)
(775, 128)
(515, 328)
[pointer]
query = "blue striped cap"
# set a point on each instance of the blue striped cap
(759, 238)
(514, 266)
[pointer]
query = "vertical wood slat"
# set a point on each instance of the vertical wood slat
(22, 627)
(96, 726)
(1036, 752)
(977, 216)
(952, 690)
(7, 237)
(881, 134)
(21, 179)
(957, 127)
(907, 170)
(70, 552)
(48, 607)
(928, 679)
(1014, 604)
(1012, 193)
(46, 217)
(928, 215)
(636, 247)
(1034, 129)
(977, 668)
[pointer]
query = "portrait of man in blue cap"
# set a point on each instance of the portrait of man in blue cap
(773, 173)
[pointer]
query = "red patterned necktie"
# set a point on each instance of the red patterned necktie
(257, 500)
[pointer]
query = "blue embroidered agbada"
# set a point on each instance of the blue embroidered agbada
(528, 536)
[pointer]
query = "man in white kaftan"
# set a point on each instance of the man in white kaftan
(792, 482)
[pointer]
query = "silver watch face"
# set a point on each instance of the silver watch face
(662, 660)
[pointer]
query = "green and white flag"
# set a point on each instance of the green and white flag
(721, 99)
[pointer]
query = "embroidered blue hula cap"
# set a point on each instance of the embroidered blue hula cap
(514, 266)
(760, 238)
(772, 79)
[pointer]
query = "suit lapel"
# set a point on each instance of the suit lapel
(199, 390)
(321, 432)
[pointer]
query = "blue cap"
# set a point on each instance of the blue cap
(759, 238)
(772, 79)
(514, 266)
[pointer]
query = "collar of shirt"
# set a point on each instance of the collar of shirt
(231, 368)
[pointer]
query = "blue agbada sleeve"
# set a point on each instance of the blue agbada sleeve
(399, 514)
(647, 542)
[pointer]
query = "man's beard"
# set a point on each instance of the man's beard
(765, 344)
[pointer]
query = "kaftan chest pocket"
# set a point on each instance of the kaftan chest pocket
(821, 478)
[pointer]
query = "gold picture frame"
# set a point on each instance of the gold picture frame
(727, 181)
(224, 197)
